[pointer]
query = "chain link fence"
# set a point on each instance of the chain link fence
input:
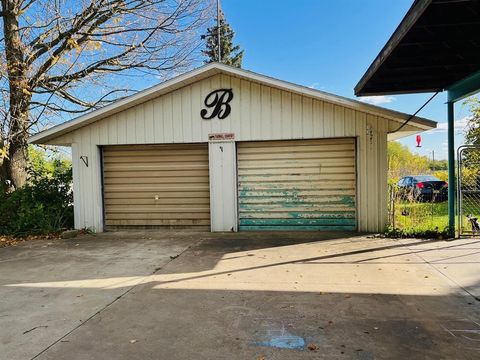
(411, 214)
(469, 190)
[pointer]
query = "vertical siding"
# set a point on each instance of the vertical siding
(259, 112)
(223, 185)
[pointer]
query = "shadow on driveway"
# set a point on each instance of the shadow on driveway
(240, 296)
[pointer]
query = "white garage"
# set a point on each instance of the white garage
(226, 149)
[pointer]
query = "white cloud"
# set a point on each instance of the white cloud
(377, 100)
(314, 85)
(459, 126)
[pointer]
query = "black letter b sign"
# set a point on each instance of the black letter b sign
(219, 103)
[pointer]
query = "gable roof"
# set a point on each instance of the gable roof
(207, 71)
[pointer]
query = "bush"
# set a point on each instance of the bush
(44, 205)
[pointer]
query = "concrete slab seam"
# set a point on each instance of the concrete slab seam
(115, 300)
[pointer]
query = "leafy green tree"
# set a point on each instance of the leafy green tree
(472, 135)
(402, 162)
(230, 53)
(45, 163)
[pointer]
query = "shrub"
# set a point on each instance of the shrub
(44, 205)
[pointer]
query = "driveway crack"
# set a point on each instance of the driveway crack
(432, 265)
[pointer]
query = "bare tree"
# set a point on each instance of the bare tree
(65, 57)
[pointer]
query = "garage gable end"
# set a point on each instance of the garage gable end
(218, 98)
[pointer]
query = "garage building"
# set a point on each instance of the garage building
(225, 149)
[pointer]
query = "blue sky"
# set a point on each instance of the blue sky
(329, 45)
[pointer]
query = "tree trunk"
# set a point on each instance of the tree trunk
(13, 171)
(15, 167)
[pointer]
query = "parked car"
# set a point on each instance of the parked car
(423, 188)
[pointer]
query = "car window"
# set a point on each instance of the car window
(408, 181)
(400, 183)
(426, 178)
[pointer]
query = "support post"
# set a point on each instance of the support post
(451, 168)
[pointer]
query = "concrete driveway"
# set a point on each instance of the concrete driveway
(154, 295)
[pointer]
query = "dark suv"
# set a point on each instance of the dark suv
(423, 188)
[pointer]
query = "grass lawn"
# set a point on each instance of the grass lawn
(421, 217)
(418, 217)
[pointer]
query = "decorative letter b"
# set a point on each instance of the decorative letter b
(219, 102)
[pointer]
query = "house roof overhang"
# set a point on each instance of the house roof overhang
(206, 71)
(436, 45)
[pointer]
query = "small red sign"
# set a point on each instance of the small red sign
(221, 136)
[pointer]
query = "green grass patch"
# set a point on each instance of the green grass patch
(420, 219)
(428, 219)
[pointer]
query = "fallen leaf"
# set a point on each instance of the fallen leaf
(133, 341)
(312, 347)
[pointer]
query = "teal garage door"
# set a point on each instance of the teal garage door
(297, 185)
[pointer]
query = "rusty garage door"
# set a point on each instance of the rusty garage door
(156, 186)
(297, 185)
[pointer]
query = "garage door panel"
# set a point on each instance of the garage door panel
(156, 185)
(248, 192)
(150, 194)
(164, 201)
(178, 216)
(292, 156)
(146, 180)
(294, 176)
(298, 228)
(323, 199)
(291, 150)
(283, 143)
(164, 159)
(301, 222)
(156, 188)
(198, 224)
(297, 185)
(172, 166)
(161, 208)
(301, 208)
(302, 170)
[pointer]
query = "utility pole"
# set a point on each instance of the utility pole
(218, 31)
(433, 160)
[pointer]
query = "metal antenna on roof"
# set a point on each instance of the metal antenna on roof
(218, 31)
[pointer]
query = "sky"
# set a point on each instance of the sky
(328, 45)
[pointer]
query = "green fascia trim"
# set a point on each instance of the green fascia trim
(463, 88)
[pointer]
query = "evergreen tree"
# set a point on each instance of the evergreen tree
(230, 53)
